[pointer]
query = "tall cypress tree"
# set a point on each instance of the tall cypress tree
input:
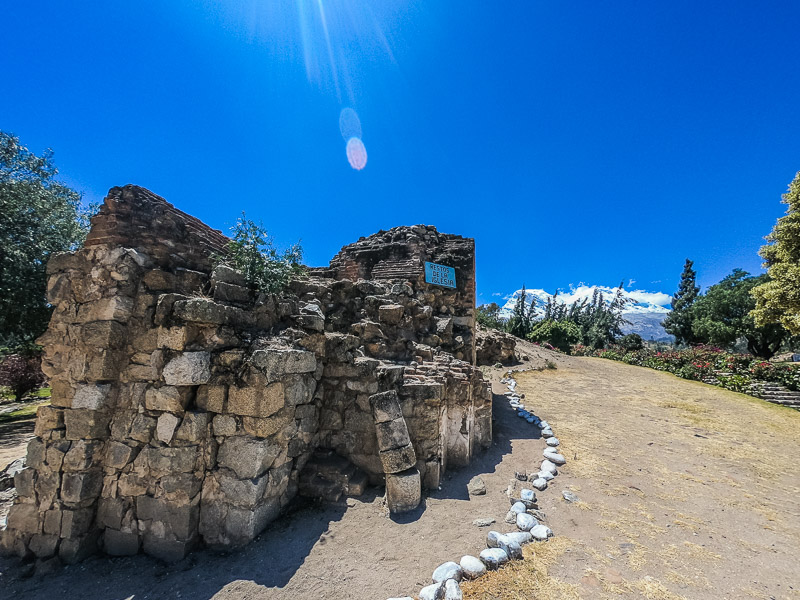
(679, 321)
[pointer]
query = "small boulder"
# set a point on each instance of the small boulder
(549, 467)
(472, 567)
(541, 532)
(452, 591)
(519, 508)
(476, 487)
(485, 522)
(432, 592)
(569, 496)
(526, 522)
(539, 483)
(445, 571)
(553, 442)
(554, 457)
(493, 558)
(520, 537)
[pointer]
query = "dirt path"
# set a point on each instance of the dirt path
(687, 490)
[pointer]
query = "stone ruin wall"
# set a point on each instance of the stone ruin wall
(187, 410)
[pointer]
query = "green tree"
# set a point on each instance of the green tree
(488, 315)
(778, 298)
(560, 334)
(253, 253)
(723, 315)
(38, 217)
(523, 316)
(679, 321)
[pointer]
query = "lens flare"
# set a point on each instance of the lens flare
(349, 124)
(356, 153)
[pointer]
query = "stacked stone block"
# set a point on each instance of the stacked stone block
(186, 406)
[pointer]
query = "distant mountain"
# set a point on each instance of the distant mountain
(645, 310)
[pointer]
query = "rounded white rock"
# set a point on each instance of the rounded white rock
(554, 457)
(553, 442)
(448, 570)
(541, 532)
(518, 507)
(549, 467)
(472, 567)
(492, 558)
(540, 483)
(526, 522)
(432, 592)
(452, 591)
(547, 433)
(527, 495)
(521, 537)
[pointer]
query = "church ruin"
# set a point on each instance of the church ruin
(187, 410)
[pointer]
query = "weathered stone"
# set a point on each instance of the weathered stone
(226, 292)
(24, 518)
(526, 522)
(392, 434)
(553, 442)
(91, 396)
(554, 457)
(541, 532)
(169, 551)
(110, 512)
(390, 314)
(118, 454)
(224, 425)
(165, 427)
(403, 490)
(52, 522)
(452, 591)
(472, 567)
(277, 362)
(399, 459)
(82, 455)
(168, 398)
(193, 428)
(539, 483)
(476, 487)
(189, 368)
(247, 457)
(142, 428)
(254, 400)
(174, 338)
(435, 591)
(86, 424)
(484, 522)
(549, 467)
(212, 398)
(44, 546)
(75, 523)
(81, 489)
(520, 537)
(445, 571)
(74, 550)
(165, 461)
(493, 558)
(47, 419)
(570, 496)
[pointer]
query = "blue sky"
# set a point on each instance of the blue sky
(576, 141)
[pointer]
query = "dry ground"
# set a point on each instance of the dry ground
(687, 491)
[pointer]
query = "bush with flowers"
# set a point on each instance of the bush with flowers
(733, 371)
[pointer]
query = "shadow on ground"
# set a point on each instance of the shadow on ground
(277, 556)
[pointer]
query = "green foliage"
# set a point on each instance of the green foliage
(631, 342)
(598, 323)
(38, 218)
(732, 371)
(723, 315)
(679, 321)
(524, 316)
(252, 252)
(560, 334)
(778, 298)
(488, 315)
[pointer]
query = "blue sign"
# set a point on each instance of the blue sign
(440, 275)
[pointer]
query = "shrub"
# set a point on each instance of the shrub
(22, 374)
(561, 334)
(631, 342)
(252, 252)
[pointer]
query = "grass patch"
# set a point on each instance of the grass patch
(527, 578)
(22, 413)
